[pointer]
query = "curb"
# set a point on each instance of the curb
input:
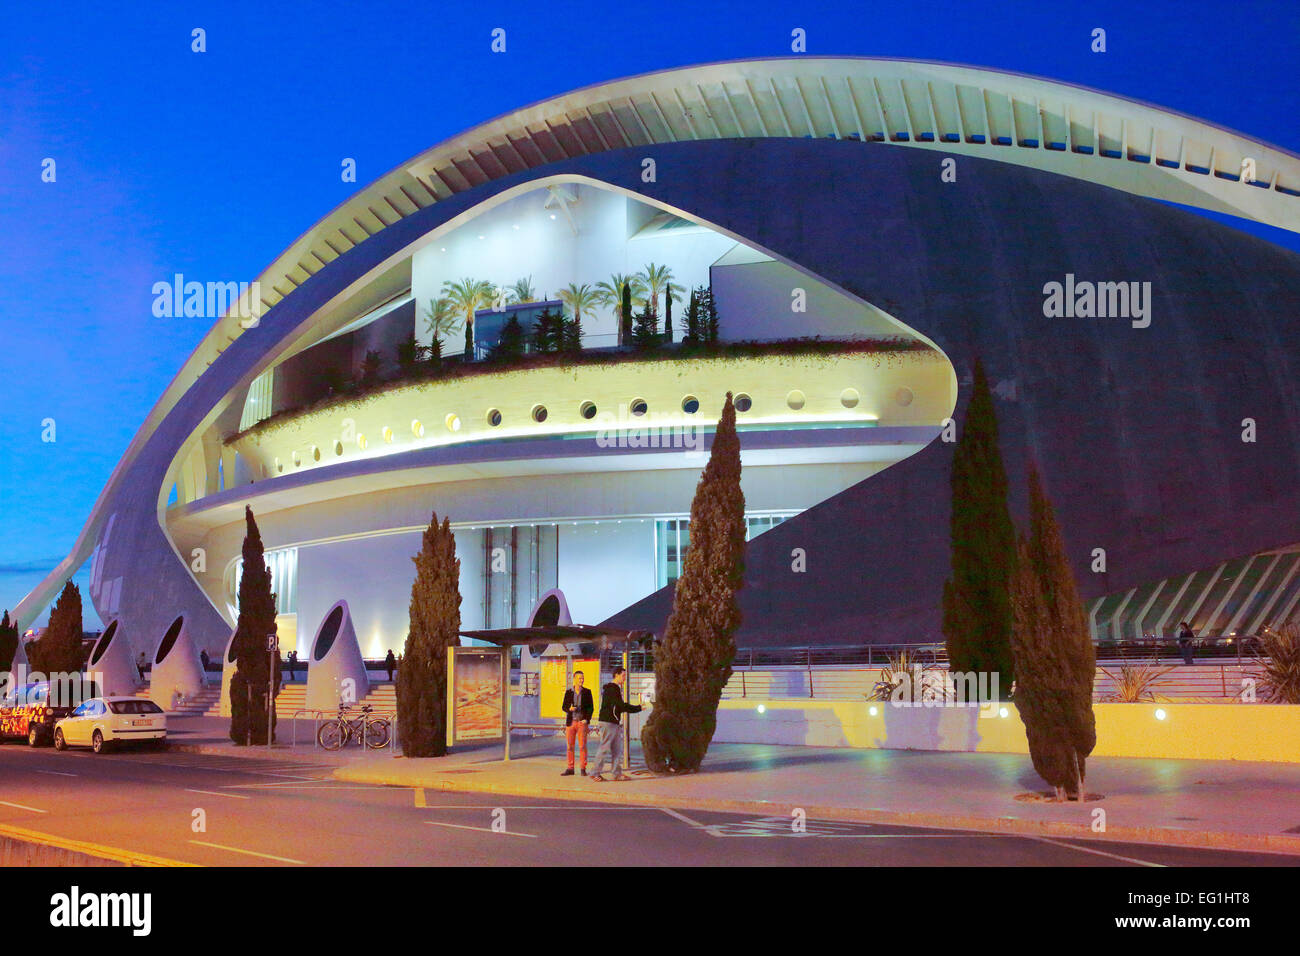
(243, 753)
(80, 848)
(1163, 836)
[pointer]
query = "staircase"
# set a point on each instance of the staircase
(199, 705)
(293, 698)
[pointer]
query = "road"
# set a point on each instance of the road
(232, 811)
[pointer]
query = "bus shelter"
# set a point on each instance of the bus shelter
(566, 641)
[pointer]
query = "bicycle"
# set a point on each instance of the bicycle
(335, 734)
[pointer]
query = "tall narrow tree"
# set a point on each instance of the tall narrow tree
(976, 599)
(625, 316)
(668, 314)
(59, 650)
(1055, 658)
(435, 626)
(693, 663)
(257, 666)
(8, 642)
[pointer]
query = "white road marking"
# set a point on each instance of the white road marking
(470, 806)
(19, 806)
(235, 849)
(217, 793)
(57, 773)
(684, 818)
(461, 826)
(1088, 849)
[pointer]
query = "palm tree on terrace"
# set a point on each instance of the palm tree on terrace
(658, 279)
(579, 299)
(523, 290)
(611, 294)
(466, 297)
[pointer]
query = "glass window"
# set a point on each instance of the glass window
(134, 707)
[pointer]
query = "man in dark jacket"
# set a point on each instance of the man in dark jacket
(578, 708)
(1185, 638)
(612, 710)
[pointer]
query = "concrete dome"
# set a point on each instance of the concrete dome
(336, 672)
(177, 669)
(110, 664)
(227, 674)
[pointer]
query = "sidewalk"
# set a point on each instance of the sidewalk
(1208, 804)
(1197, 803)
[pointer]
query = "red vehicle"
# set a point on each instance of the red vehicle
(30, 712)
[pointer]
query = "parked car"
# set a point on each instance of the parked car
(108, 721)
(31, 711)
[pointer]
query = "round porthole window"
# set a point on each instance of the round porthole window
(690, 404)
(315, 453)
(297, 460)
(849, 398)
(638, 407)
(539, 413)
(494, 417)
(795, 399)
(417, 428)
(362, 442)
(388, 435)
(904, 396)
(453, 422)
(279, 466)
(338, 447)
(587, 410)
(743, 402)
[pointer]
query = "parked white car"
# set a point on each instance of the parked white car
(102, 722)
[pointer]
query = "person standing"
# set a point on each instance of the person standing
(293, 665)
(612, 709)
(140, 663)
(390, 662)
(578, 708)
(1185, 637)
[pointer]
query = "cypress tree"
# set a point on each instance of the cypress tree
(1055, 657)
(625, 321)
(253, 659)
(693, 663)
(976, 599)
(668, 315)
(691, 335)
(8, 642)
(59, 649)
(469, 341)
(646, 332)
(708, 315)
(435, 626)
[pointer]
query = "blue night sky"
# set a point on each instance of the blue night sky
(211, 164)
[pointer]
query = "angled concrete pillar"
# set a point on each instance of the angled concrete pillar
(110, 664)
(177, 671)
(335, 670)
(227, 672)
(551, 610)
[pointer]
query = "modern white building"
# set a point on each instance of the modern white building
(853, 283)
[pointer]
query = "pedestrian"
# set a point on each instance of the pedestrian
(390, 662)
(140, 664)
(293, 665)
(1185, 636)
(203, 656)
(578, 708)
(612, 710)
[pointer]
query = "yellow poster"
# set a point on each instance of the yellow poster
(555, 681)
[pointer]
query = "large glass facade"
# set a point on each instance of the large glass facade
(673, 540)
(1236, 598)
